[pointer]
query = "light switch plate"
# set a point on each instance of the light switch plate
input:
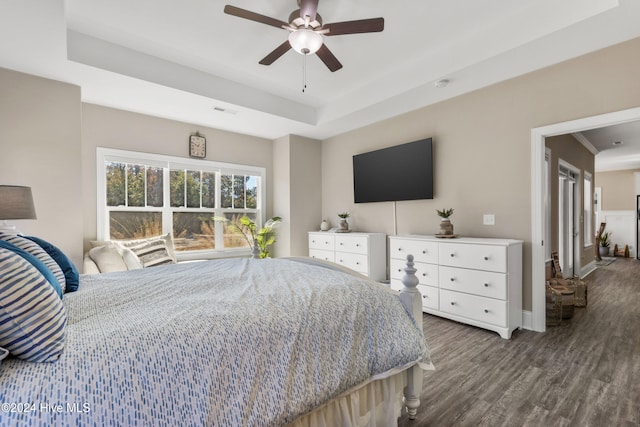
(489, 219)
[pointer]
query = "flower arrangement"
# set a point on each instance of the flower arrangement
(343, 215)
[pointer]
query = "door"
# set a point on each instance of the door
(637, 226)
(568, 232)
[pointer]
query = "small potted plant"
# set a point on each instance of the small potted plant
(344, 224)
(446, 227)
(605, 242)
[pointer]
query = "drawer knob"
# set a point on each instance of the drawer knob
(486, 285)
(357, 245)
(424, 252)
(452, 255)
(424, 274)
(453, 279)
(357, 263)
(399, 270)
(486, 258)
(453, 303)
(486, 311)
(424, 297)
(399, 249)
(341, 244)
(313, 241)
(341, 261)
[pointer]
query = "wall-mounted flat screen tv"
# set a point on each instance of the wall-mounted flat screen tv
(401, 172)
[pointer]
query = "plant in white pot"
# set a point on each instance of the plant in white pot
(344, 224)
(605, 243)
(446, 227)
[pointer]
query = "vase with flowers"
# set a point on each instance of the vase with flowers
(446, 227)
(344, 224)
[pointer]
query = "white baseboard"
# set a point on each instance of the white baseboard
(527, 323)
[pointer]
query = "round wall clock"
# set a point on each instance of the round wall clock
(197, 146)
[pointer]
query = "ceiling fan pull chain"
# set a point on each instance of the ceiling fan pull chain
(304, 73)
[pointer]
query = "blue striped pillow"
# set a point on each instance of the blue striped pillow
(32, 317)
(36, 263)
(35, 250)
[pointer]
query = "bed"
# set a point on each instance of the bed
(236, 342)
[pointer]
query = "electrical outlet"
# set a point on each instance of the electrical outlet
(489, 219)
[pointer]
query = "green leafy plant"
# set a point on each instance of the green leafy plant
(444, 213)
(263, 237)
(343, 215)
(605, 242)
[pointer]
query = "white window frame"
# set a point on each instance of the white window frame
(104, 155)
(588, 210)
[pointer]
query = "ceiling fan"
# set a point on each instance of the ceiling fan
(307, 31)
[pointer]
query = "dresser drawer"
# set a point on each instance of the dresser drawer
(483, 283)
(321, 241)
(482, 309)
(421, 250)
(352, 244)
(427, 274)
(356, 262)
(323, 255)
(480, 257)
(429, 294)
(430, 297)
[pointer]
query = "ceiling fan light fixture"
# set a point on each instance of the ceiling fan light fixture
(305, 41)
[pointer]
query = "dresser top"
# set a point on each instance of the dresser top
(466, 240)
(349, 233)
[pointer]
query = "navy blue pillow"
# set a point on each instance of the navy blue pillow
(39, 265)
(70, 271)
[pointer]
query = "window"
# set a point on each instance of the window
(588, 210)
(143, 195)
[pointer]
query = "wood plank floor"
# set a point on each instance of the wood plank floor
(585, 372)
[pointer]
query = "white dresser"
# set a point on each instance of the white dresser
(365, 253)
(470, 280)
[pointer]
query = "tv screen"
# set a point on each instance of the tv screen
(401, 172)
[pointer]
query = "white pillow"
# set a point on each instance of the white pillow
(109, 258)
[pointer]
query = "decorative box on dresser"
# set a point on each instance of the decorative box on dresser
(365, 253)
(471, 280)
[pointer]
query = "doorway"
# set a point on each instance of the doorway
(538, 244)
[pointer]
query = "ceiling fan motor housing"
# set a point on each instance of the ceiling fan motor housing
(296, 21)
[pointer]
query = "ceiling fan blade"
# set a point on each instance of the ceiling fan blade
(308, 8)
(328, 58)
(276, 53)
(252, 16)
(372, 25)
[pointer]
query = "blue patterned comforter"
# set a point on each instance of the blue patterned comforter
(219, 343)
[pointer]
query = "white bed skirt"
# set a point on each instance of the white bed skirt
(377, 403)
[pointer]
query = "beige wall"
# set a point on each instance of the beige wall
(567, 148)
(482, 150)
(618, 190)
(40, 147)
(297, 192)
(111, 128)
(482, 147)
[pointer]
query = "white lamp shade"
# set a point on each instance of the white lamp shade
(16, 203)
(305, 41)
